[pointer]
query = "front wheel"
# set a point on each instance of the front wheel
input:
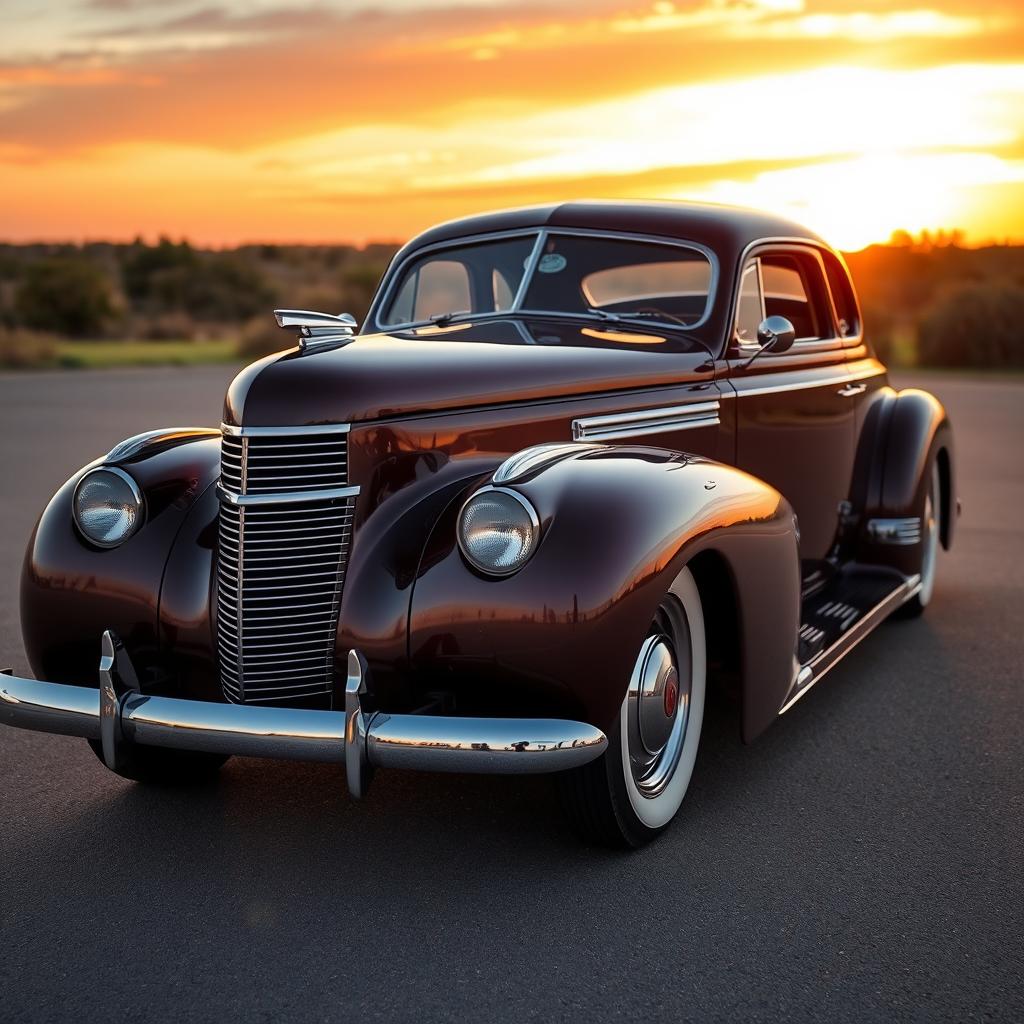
(161, 766)
(630, 794)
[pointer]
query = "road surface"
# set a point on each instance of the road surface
(864, 860)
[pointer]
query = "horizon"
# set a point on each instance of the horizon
(300, 122)
(942, 238)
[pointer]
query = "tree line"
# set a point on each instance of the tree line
(929, 302)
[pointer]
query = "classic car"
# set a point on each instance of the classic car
(580, 464)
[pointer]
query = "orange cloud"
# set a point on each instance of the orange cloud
(307, 121)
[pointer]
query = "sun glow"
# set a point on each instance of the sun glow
(858, 119)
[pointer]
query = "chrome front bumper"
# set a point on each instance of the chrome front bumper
(117, 714)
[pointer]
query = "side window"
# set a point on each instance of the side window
(749, 310)
(794, 288)
(501, 290)
(438, 286)
(842, 296)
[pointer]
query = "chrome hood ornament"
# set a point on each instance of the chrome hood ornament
(317, 330)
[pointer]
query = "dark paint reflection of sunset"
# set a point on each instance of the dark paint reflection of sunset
(294, 121)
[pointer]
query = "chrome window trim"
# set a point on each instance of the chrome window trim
(330, 428)
(529, 270)
(543, 233)
(816, 247)
(646, 421)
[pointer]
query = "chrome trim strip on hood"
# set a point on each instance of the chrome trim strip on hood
(647, 421)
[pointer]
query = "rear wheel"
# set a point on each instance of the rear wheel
(929, 546)
(161, 766)
(629, 795)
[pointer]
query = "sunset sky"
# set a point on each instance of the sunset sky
(350, 121)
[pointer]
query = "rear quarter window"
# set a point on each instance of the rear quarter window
(842, 296)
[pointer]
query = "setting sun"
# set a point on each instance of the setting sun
(315, 123)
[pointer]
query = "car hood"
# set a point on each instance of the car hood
(467, 365)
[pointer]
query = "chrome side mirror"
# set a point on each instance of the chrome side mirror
(317, 330)
(775, 334)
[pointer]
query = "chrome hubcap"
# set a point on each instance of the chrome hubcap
(659, 703)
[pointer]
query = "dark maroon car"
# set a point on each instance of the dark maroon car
(581, 463)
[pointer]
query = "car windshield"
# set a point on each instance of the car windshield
(599, 276)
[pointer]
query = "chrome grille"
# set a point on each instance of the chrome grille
(285, 530)
(263, 463)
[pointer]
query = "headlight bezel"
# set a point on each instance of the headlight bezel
(136, 493)
(498, 572)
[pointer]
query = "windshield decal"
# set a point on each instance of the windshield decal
(552, 263)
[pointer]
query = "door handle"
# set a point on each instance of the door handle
(849, 390)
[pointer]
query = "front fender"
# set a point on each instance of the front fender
(617, 525)
(71, 591)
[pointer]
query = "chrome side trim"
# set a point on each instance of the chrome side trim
(895, 531)
(156, 439)
(361, 740)
(329, 428)
(646, 421)
(820, 664)
(285, 497)
(801, 385)
(529, 460)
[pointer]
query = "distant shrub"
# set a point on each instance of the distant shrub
(358, 286)
(213, 286)
(64, 294)
(172, 326)
(978, 325)
(261, 336)
(880, 328)
(21, 349)
(227, 287)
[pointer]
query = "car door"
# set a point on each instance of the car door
(795, 417)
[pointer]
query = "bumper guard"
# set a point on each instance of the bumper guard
(118, 714)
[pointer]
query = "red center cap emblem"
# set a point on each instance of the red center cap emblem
(671, 693)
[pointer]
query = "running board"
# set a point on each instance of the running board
(864, 624)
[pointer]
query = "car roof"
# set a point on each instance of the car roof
(727, 230)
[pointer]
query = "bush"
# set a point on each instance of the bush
(20, 349)
(979, 325)
(212, 286)
(64, 294)
(880, 328)
(358, 285)
(261, 336)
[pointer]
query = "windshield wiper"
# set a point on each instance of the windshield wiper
(638, 314)
(443, 319)
(603, 314)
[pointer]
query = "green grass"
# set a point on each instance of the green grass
(96, 355)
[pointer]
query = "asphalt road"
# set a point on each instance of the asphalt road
(864, 860)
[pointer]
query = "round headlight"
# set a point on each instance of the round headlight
(108, 506)
(498, 530)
